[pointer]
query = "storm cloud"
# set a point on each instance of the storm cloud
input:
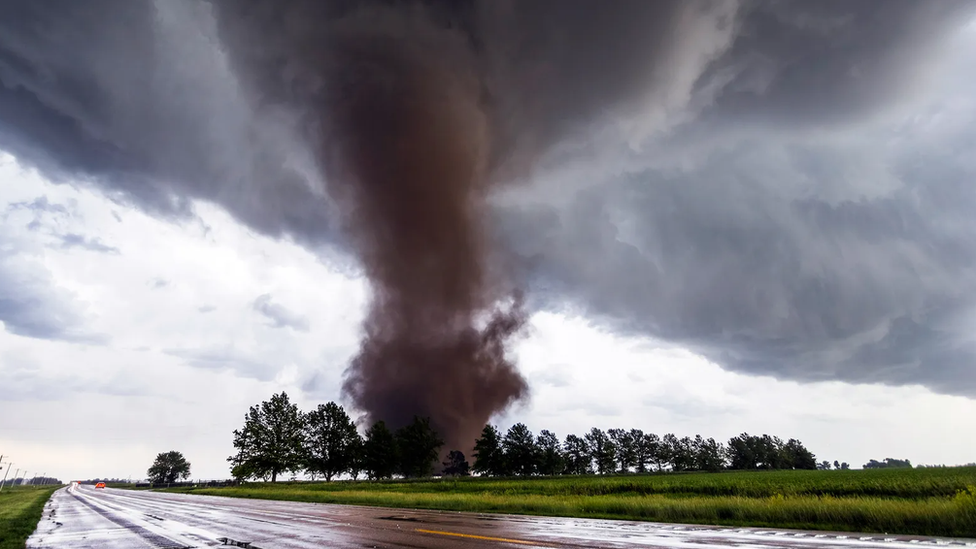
(753, 180)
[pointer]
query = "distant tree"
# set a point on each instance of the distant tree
(603, 451)
(418, 446)
(579, 459)
(357, 457)
(796, 456)
(456, 465)
(823, 466)
(624, 444)
(521, 453)
(380, 452)
(767, 452)
(272, 440)
(889, 463)
(680, 452)
(836, 464)
(645, 448)
(330, 440)
(708, 454)
(489, 459)
(168, 468)
(844, 466)
(551, 460)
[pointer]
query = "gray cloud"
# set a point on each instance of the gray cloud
(206, 309)
(159, 283)
(225, 360)
(32, 305)
(40, 204)
(92, 244)
(741, 232)
(279, 315)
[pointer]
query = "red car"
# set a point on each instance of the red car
(100, 485)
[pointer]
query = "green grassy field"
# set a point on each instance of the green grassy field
(912, 501)
(20, 510)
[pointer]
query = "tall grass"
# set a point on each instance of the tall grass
(20, 511)
(924, 502)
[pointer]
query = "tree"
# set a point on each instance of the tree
(889, 463)
(579, 459)
(168, 468)
(551, 460)
(603, 451)
(272, 440)
(331, 438)
(456, 465)
(709, 455)
(521, 453)
(680, 452)
(844, 466)
(836, 464)
(624, 443)
(796, 456)
(489, 459)
(357, 457)
(418, 446)
(380, 452)
(645, 449)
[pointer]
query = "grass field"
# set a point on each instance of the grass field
(20, 510)
(909, 501)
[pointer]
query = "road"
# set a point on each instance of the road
(84, 517)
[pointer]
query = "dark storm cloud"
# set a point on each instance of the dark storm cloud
(874, 282)
(279, 315)
(136, 97)
(732, 232)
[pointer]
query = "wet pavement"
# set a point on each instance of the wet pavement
(84, 517)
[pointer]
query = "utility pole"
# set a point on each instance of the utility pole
(23, 481)
(5, 471)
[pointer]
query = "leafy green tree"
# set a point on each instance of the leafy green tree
(418, 445)
(796, 456)
(603, 451)
(680, 452)
(168, 468)
(488, 455)
(357, 457)
(331, 438)
(709, 455)
(624, 443)
(380, 458)
(521, 453)
(456, 465)
(551, 460)
(579, 459)
(272, 440)
(645, 449)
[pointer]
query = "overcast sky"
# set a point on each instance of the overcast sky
(755, 249)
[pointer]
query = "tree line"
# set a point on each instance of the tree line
(277, 438)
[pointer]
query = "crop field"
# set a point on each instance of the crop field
(894, 501)
(20, 510)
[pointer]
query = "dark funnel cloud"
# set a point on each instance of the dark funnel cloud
(418, 110)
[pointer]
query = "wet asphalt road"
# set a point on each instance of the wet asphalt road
(84, 517)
